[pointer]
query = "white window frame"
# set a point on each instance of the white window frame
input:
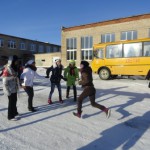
(129, 32)
(12, 44)
(22, 46)
(72, 42)
(87, 41)
(110, 35)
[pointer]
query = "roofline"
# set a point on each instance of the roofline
(28, 39)
(107, 22)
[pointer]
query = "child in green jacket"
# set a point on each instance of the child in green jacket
(71, 73)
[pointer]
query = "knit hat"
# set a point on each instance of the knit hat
(84, 63)
(58, 60)
(72, 62)
(29, 62)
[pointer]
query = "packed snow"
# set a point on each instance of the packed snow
(53, 127)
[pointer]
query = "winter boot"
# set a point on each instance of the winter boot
(60, 100)
(77, 114)
(108, 112)
(50, 101)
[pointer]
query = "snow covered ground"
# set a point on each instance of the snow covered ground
(53, 127)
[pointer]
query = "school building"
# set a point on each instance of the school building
(77, 41)
(26, 49)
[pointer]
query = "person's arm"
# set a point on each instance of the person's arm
(36, 75)
(5, 86)
(84, 79)
(65, 72)
(48, 72)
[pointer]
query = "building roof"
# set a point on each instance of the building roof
(108, 22)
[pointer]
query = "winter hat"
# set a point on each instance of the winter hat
(72, 62)
(30, 62)
(58, 60)
(84, 63)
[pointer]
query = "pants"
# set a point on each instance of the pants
(12, 108)
(74, 92)
(30, 93)
(89, 91)
(53, 88)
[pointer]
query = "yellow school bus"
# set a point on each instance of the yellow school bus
(130, 57)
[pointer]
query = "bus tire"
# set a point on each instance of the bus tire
(104, 73)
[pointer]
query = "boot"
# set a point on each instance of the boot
(60, 100)
(50, 101)
(77, 114)
(108, 112)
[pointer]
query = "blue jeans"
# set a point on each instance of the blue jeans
(53, 88)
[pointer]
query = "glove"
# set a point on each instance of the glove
(46, 76)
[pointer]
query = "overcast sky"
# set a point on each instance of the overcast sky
(42, 19)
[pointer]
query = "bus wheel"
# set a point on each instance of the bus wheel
(104, 74)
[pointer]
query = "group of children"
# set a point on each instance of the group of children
(71, 76)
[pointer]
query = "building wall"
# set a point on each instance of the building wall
(46, 60)
(26, 54)
(139, 23)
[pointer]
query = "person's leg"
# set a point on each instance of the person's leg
(59, 91)
(30, 93)
(15, 104)
(75, 92)
(51, 93)
(10, 107)
(80, 99)
(67, 92)
(96, 105)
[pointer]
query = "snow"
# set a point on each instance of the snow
(53, 127)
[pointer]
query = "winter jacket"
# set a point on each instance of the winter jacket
(10, 81)
(28, 75)
(71, 74)
(56, 73)
(86, 77)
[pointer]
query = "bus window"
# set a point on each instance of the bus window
(133, 50)
(146, 48)
(98, 53)
(114, 51)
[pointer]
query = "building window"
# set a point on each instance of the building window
(32, 47)
(41, 49)
(1, 42)
(55, 49)
(22, 46)
(12, 44)
(71, 49)
(110, 37)
(86, 48)
(48, 49)
(129, 35)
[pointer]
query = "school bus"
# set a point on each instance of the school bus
(130, 57)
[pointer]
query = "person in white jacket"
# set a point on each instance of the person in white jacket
(27, 78)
